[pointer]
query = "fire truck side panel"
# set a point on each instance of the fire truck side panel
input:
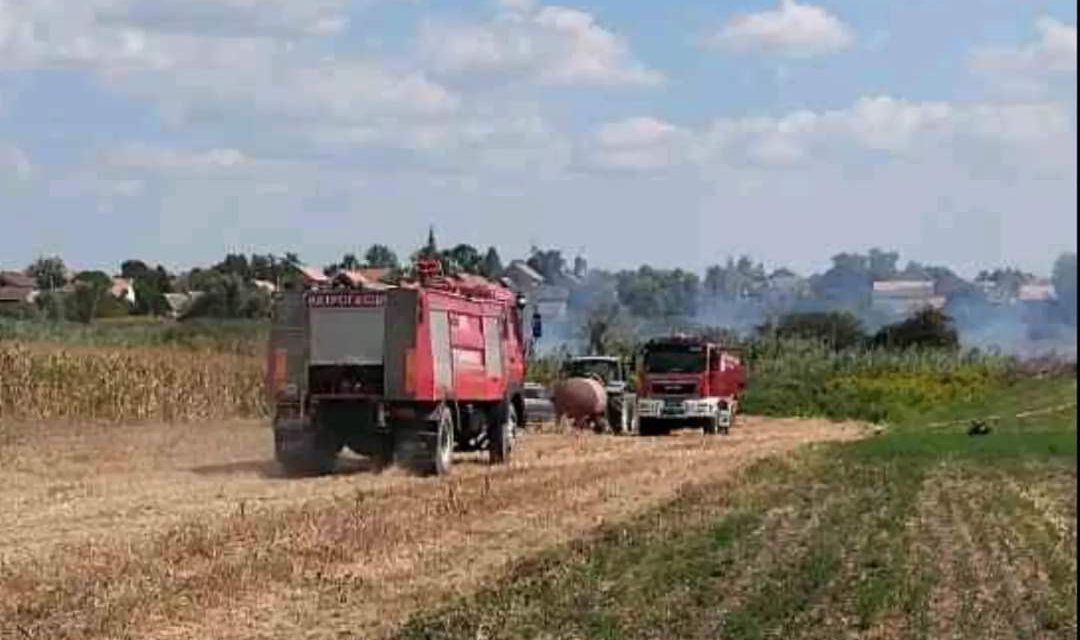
(402, 342)
(288, 353)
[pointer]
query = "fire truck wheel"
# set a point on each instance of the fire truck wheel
(712, 426)
(426, 449)
(502, 429)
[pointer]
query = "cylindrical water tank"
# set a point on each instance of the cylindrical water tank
(579, 398)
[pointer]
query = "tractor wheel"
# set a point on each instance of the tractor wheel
(427, 449)
(619, 416)
(305, 452)
(502, 431)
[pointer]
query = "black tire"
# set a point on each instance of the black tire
(619, 415)
(503, 423)
(427, 449)
(712, 426)
(306, 452)
(650, 427)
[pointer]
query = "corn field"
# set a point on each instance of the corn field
(40, 382)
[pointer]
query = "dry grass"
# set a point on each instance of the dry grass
(42, 382)
(194, 537)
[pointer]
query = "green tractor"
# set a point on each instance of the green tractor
(615, 377)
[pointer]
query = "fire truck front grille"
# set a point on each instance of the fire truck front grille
(346, 379)
(674, 388)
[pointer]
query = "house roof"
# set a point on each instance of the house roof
(177, 301)
(521, 267)
(904, 288)
(363, 277)
(313, 274)
(1036, 292)
(120, 286)
(15, 294)
(16, 279)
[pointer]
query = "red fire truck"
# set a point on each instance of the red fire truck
(405, 373)
(687, 381)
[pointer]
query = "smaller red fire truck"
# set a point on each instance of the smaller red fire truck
(686, 381)
(403, 373)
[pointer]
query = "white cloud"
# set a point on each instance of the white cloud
(551, 45)
(162, 160)
(1027, 69)
(639, 143)
(793, 30)
(892, 127)
(14, 162)
(231, 17)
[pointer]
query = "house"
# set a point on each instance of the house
(1038, 291)
(524, 278)
(16, 288)
(177, 303)
(552, 301)
(362, 278)
(904, 297)
(265, 285)
(123, 289)
(783, 288)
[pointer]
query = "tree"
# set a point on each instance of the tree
(380, 256)
(838, 329)
(848, 282)
(654, 293)
(491, 266)
(133, 269)
(50, 272)
(928, 328)
(228, 296)
(91, 288)
(548, 263)
(349, 262)
(463, 257)
(235, 263)
(1064, 279)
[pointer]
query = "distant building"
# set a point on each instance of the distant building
(16, 288)
(1039, 291)
(123, 289)
(552, 301)
(524, 278)
(265, 285)
(904, 297)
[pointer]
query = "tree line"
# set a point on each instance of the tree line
(741, 285)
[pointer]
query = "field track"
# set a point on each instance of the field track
(188, 531)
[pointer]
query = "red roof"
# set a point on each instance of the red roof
(16, 279)
(15, 294)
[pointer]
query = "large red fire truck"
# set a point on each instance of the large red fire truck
(403, 373)
(688, 381)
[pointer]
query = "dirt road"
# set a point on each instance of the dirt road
(189, 532)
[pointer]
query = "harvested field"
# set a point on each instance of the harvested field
(187, 532)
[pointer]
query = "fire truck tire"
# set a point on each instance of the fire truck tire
(652, 427)
(712, 426)
(503, 422)
(428, 449)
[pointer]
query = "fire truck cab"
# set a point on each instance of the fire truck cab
(404, 373)
(688, 382)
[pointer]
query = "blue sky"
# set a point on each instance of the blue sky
(670, 133)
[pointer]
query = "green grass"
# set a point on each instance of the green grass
(921, 532)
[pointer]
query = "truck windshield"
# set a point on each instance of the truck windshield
(673, 360)
(582, 368)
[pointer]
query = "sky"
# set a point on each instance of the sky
(629, 131)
